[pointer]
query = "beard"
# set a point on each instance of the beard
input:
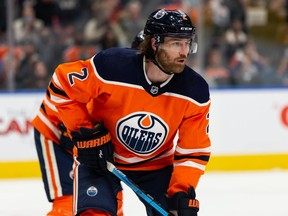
(169, 64)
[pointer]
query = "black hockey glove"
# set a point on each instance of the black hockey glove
(94, 146)
(65, 142)
(184, 204)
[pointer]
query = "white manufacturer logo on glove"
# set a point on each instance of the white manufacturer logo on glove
(100, 154)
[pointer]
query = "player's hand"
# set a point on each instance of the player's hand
(94, 146)
(184, 204)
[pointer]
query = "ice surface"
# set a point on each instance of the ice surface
(262, 193)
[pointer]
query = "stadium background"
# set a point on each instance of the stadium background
(249, 113)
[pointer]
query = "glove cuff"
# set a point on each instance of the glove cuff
(188, 203)
(181, 200)
(185, 204)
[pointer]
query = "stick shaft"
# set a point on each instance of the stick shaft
(136, 189)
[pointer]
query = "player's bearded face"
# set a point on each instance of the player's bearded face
(170, 63)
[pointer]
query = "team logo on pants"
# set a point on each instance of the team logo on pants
(92, 191)
(142, 132)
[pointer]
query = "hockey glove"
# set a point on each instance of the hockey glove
(184, 204)
(94, 146)
(65, 142)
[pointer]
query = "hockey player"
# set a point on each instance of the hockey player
(126, 106)
(55, 153)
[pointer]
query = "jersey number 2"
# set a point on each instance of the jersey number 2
(75, 75)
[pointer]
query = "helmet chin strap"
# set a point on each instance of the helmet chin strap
(158, 65)
(161, 68)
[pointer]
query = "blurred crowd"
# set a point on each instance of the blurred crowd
(240, 49)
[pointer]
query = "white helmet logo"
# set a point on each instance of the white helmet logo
(160, 14)
(186, 28)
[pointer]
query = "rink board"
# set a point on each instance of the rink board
(248, 130)
(31, 169)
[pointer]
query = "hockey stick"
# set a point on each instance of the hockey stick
(149, 199)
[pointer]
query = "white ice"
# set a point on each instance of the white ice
(263, 193)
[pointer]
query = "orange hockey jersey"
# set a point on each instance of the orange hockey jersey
(142, 117)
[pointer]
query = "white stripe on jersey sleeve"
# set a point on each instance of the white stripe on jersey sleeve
(190, 151)
(58, 99)
(190, 164)
(50, 105)
(56, 81)
(49, 124)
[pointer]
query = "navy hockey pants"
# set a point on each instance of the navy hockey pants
(98, 191)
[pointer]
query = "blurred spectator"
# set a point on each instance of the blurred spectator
(64, 12)
(28, 72)
(234, 39)
(282, 70)
(249, 68)
(73, 12)
(220, 20)
(96, 25)
(27, 27)
(109, 39)
(79, 49)
(6, 63)
(3, 51)
(47, 49)
(279, 7)
(216, 73)
(286, 10)
(238, 11)
(41, 75)
(63, 38)
(48, 11)
(100, 23)
(130, 19)
(2, 17)
(3, 37)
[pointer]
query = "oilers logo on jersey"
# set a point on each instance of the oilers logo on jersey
(142, 132)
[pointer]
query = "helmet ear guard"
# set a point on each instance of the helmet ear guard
(193, 47)
(158, 39)
(194, 44)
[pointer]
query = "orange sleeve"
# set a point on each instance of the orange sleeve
(72, 86)
(192, 151)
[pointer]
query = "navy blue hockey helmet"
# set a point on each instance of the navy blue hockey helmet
(138, 39)
(172, 23)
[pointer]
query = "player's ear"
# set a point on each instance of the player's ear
(153, 44)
